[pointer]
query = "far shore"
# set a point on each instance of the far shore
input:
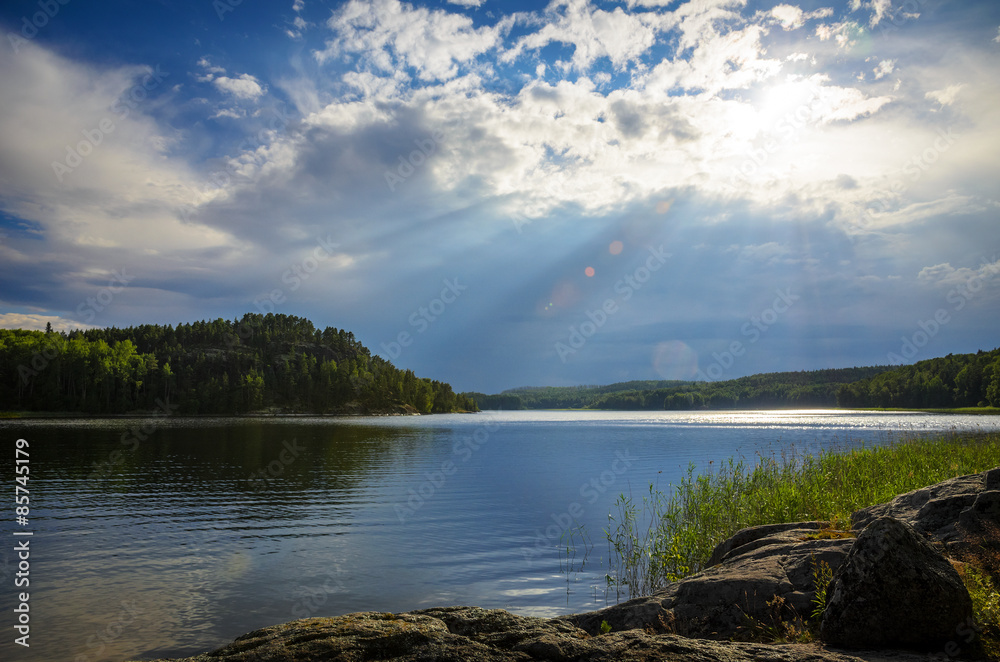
(29, 415)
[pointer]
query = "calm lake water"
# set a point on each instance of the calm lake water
(168, 537)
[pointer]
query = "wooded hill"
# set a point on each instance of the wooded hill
(275, 362)
(953, 381)
(956, 380)
(817, 388)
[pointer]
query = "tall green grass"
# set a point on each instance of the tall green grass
(664, 537)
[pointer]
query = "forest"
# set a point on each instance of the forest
(956, 380)
(953, 381)
(817, 388)
(272, 363)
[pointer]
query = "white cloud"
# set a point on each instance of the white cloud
(947, 96)
(245, 86)
(126, 192)
(945, 275)
(884, 68)
(467, 3)
(37, 322)
(880, 9)
(997, 38)
(789, 16)
(594, 33)
(387, 34)
(846, 33)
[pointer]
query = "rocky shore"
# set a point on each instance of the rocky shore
(894, 595)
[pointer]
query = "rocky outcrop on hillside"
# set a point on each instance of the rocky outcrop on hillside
(891, 589)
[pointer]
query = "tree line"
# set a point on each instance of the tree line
(956, 380)
(816, 388)
(277, 363)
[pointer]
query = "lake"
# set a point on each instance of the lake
(169, 536)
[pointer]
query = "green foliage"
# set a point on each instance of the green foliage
(953, 381)
(985, 594)
(817, 388)
(781, 625)
(822, 576)
(678, 531)
(605, 627)
(272, 362)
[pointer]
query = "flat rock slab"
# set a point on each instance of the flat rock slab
(946, 512)
(464, 634)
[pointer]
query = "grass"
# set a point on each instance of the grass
(951, 410)
(664, 537)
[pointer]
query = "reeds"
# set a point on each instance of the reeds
(669, 536)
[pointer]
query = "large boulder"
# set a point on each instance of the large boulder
(894, 590)
(749, 569)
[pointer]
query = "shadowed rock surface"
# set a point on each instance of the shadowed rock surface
(690, 620)
(470, 634)
(894, 589)
(947, 512)
(716, 602)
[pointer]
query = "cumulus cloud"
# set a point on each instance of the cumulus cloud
(884, 68)
(244, 86)
(385, 34)
(594, 33)
(427, 136)
(789, 16)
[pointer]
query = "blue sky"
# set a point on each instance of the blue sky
(506, 194)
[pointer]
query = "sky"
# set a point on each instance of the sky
(503, 194)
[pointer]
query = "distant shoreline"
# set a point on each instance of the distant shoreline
(35, 415)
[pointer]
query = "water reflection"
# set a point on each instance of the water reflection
(209, 528)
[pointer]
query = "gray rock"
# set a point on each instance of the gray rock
(947, 513)
(463, 634)
(757, 565)
(894, 590)
(758, 534)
